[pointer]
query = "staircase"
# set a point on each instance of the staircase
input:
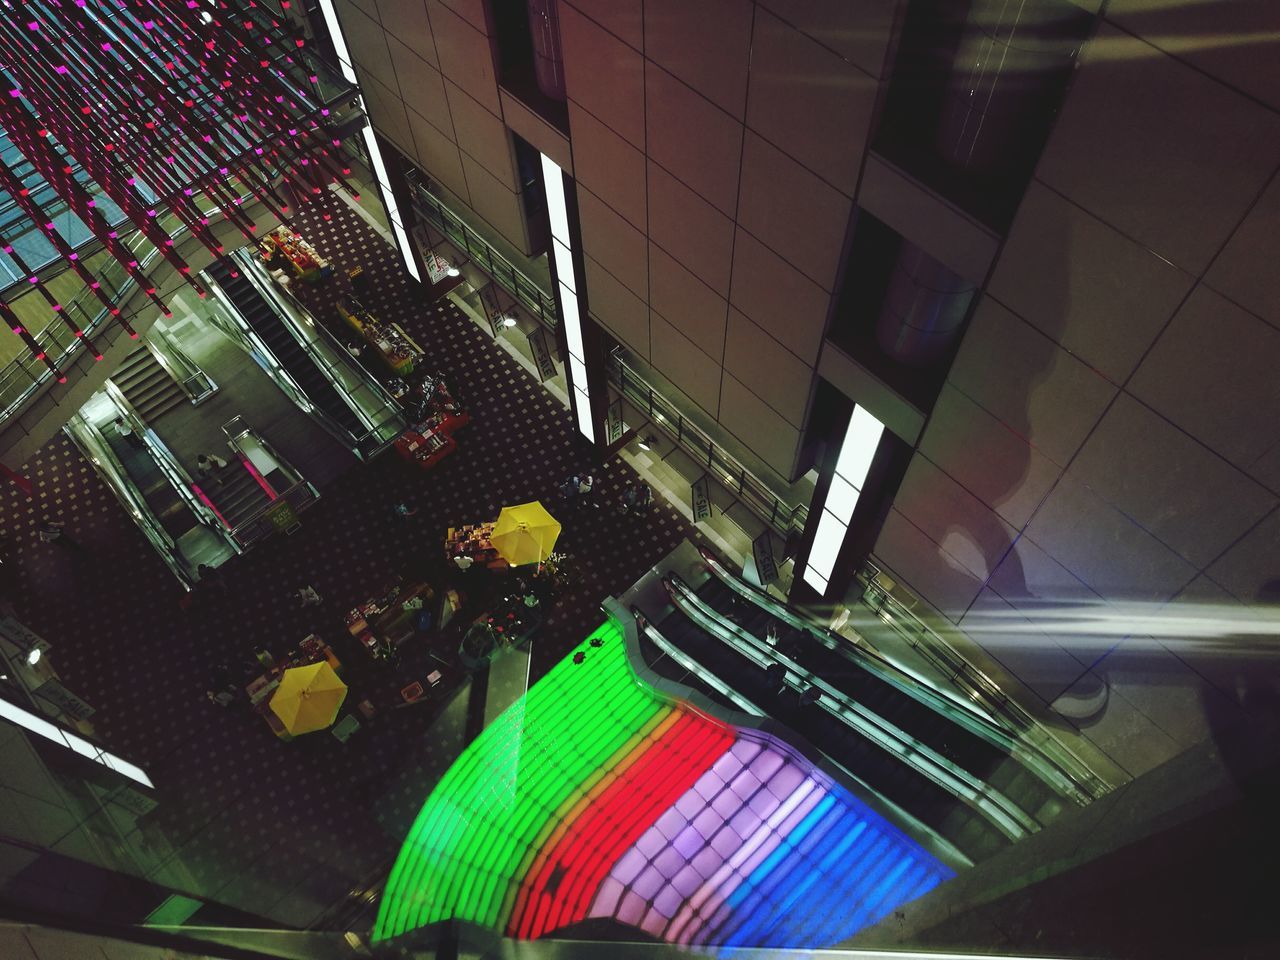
(275, 332)
(238, 496)
(148, 387)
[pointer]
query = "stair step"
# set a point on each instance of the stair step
(158, 389)
(160, 408)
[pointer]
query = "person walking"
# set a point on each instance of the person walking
(569, 490)
(126, 431)
(586, 489)
(307, 597)
(208, 465)
(644, 498)
(629, 497)
(463, 562)
(54, 531)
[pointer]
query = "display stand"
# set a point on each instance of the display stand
(262, 688)
(396, 348)
(281, 248)
(383, 623)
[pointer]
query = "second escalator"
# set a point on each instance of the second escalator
(276, 333)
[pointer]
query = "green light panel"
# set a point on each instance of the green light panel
(568, 726)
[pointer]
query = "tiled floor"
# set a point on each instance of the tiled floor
(286, 830)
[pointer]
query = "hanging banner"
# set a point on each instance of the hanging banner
(66, 702)
(542, 358)
(437, 269)
(493, 308)
(762, 553)
(701, 499)
(613, 421)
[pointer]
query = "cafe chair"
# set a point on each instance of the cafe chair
(344, 728)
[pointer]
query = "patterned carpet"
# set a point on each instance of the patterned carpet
(287, 830)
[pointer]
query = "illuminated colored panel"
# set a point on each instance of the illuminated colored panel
(595, 797)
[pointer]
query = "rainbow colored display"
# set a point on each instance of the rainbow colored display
(595, 796)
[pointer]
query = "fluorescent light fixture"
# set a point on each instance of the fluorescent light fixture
(63, 738)
(339, 41)
(859, 447)
(584, 415)
(564, 265)
(826, 545)
(562, 244)
(370, 144)
(841, 499)
(388, 198)
(817, 582)
(572, 322)
(857, 450)
(553, 181)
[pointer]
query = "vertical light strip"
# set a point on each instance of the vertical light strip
(562, 246)
(370, 142)
(857, 450)
(77, 744)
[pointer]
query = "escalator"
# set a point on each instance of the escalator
(235, 493)
(166, 504)
(951, 767)
(275, 332)
(902, 784)
(983, 756)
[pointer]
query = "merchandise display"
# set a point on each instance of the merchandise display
(434, 415)
(260, 690)
(282, 249)
(388, 619)
(474, 541)
(396, 347)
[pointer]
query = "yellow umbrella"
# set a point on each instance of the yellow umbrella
(525, 533)
(308, 698)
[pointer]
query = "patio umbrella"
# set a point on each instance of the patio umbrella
(525, 533)
(308, 698)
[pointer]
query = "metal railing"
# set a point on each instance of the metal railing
(260, 525)
(783, 517)
(986, 693)
(1000, 810)
(538, 301)
(186, 373)
(23, 376)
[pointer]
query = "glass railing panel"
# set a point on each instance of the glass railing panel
(96, 450)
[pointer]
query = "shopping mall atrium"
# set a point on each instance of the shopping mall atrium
(489, 478)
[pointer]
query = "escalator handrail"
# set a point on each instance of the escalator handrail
(976, 721)
(1005, 815)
